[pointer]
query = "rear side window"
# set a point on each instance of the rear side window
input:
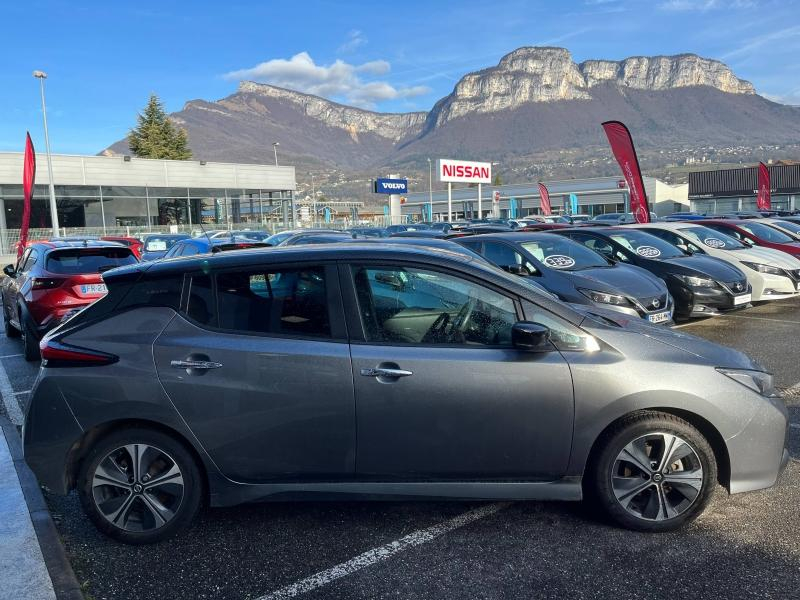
(154, 291)
(288, 302)
(200, 306)
(75, 261)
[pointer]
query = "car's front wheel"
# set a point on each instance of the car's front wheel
(652, 472)
(140, 486)
(9, 329)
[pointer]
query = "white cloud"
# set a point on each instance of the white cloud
(789, 34)
(355, 39)
(339, 81)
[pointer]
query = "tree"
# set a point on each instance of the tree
(497, 179)
(155, 136)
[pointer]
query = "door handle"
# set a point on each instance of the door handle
(384, 372)
(195, 364)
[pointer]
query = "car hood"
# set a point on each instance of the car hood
(715, 268)
(631, 281)
(608, 325)
(766, 256)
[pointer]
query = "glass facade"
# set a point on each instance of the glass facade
(745, 203)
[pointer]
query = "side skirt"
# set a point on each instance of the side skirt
(568, 488)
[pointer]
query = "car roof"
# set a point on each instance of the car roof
(513, 236)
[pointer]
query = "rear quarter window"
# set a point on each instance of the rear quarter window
(75, 261)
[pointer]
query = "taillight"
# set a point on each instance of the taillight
(56, 354)
(46, 283)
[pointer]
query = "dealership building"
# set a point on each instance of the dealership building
(595, 196)
(730, 190)
(119, 194)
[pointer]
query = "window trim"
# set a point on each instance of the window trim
(355, 324)
(336, 316)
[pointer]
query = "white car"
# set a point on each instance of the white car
(773, 275)
(788, 227)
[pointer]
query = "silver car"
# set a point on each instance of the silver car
(368, 370)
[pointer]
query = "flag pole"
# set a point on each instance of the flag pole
(41, 76)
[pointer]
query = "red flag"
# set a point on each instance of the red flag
(763, 200)
(545, 199)
(28, 177)
(622, 146)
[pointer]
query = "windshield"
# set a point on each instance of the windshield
(80, 260)
(646, 245)
(564, 254)
(160, 244)
(765, 232)
(713, 239)
(789, 226)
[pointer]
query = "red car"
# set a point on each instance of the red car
(754, 233)
(134, 244)
(53, 281)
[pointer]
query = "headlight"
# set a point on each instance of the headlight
(758, 381)
(692, 281)
(605, 298)
(764, 268)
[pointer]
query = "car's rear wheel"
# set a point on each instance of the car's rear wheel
(30, 344)
(140, 486)
(652, 472)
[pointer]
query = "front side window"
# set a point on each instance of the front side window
(765, 232)
(563, 254)
(645, 245)
(404, 305)
(284, 302)
(713, 239)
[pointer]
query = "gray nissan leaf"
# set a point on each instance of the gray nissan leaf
(383, 371)
(577, 274)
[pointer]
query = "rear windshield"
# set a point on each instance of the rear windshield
(75, 261)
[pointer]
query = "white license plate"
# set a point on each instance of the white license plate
(659, 317)
(94, 288)
(743, 299)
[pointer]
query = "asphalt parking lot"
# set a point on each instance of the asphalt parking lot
(744, 546)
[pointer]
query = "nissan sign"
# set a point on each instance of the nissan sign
(462, 171)
(391, 186)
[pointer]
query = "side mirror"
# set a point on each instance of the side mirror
(530, 337)
(515, 270)
(685, 249)
(10, 271)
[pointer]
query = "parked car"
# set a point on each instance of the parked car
(316, 237)
(157, 244)
(701, 286)
(52, 282)
(753, 232)
(368, 232)
(791, 228)
(771, 274)
(544, 226)
(135, 244)
(576, 274)
(406, 227)
(372, 370)
(443, 226)
(276, 238)
(258, 236)
(201, 245)
(618, 218)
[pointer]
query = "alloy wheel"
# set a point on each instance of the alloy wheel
(138, 487)
(657, 476)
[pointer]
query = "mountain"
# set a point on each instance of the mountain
(534, 101)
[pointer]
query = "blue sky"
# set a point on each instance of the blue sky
(104, 58)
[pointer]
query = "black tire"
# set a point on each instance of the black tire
(30, 343)
(635, 510)
(10, 330)
(92, 498)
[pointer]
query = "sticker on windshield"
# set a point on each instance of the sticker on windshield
(559, 261)
(648, 251)
(714, 243)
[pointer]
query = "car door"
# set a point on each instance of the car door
(440, 391)
(21, 283)
(258, 365)
(11, 287)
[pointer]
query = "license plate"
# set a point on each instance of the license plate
(94, 288)
(659, 317)
(743, 299)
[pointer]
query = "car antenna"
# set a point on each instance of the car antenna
(203, 229)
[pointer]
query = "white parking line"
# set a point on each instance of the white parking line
(763, 319)
(10, 356)
(22, 392)
(382, 553)
(9, 399)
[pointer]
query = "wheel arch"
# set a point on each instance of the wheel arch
(81, 448)
(708, 431)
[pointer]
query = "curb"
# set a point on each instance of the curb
(65, 584)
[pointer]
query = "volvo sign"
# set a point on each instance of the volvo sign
(391, 186)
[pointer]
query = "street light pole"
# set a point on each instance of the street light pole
(41, 76)
(275, 150)
(430, 189)
(313, 203)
